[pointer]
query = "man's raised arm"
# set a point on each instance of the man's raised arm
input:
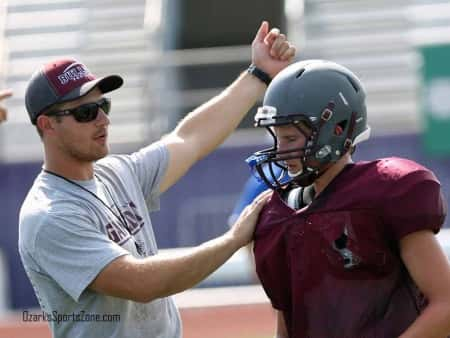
(205, 128)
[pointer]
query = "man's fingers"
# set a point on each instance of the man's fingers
(288, 54)
(280, 49)
(4, 94)
(278, 44)
(262, 198)
(266, 55)
(263, 195)
(262, 31)
(271, 36)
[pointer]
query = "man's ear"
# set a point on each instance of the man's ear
(45, 124)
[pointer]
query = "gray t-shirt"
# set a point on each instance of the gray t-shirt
(67, 236)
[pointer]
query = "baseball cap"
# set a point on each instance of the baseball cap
(61, 81)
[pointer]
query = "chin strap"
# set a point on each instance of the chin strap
(348, 142)
(306, 179)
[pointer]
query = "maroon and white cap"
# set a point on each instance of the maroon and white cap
(61, 81)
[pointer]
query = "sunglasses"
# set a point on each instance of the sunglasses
(86, 112)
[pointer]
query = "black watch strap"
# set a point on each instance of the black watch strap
(259, 73)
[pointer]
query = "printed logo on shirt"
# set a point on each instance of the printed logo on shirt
(120, 233)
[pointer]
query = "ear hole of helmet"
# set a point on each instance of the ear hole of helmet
(300, 73)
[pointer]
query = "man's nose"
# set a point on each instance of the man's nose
(102, 117)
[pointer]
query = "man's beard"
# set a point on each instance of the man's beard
(86, 156)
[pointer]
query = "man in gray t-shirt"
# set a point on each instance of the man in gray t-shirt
(69, 237)
(85, 235)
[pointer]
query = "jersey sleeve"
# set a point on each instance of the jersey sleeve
(414, 202)
(72, 252)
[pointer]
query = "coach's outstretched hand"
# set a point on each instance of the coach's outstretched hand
(4, 94)
(270, 50)
(243, 229)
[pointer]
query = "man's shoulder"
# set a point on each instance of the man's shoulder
(111, 163)
(35, 214)
(391, 170)
(397, 167)
(46, 203)
(274, 210)
(153, 150)
(48, 193)
(37, 200)
(366, 184)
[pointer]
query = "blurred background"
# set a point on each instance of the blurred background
(176, 54)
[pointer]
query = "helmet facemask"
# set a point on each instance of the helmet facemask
(315, 159)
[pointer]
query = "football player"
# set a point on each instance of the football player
(344, 249)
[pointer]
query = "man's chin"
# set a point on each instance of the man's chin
(294, 173)
(102, 154)
(98, 155)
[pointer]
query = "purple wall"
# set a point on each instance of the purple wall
(195, 209)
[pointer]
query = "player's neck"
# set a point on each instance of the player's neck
(69, 167)
(322, 182)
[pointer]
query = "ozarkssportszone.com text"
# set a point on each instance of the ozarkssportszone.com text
(56, 317)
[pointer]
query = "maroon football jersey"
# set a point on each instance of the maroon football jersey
(334, 267)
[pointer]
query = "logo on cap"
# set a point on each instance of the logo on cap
(74, 72)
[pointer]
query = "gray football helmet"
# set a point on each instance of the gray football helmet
(325, 97)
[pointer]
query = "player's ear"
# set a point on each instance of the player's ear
(45, 124)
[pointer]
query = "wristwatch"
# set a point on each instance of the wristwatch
(259, 73)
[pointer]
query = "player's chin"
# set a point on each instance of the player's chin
(294, 171)
(99, 152)
(104, 152)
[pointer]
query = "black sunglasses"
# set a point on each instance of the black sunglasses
(86, 112)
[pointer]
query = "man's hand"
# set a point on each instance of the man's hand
(270, 50)
(4, 94)
(244, 228)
